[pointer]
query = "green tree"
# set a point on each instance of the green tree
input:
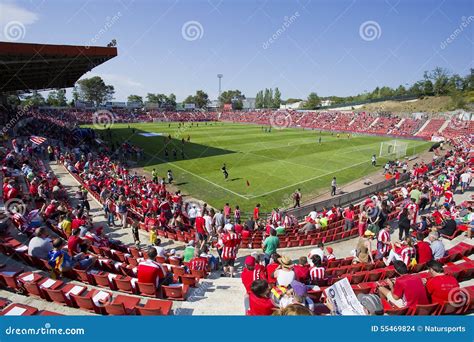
(95, 90)
(259, 100)
(171, 100)
(277, 98)
(34, 100)
(234, 97)
(201, 99)
(400, 91)
(440, 78)
(267, 98)
(57, 98)
(313, 101)
(417, 89)
(135, 99)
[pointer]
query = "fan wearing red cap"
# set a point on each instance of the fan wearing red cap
(251, 272)
(329, 254)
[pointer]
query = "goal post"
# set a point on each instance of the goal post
(393, 148)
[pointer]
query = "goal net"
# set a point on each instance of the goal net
(393, 148)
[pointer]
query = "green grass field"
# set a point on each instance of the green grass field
(275, 164)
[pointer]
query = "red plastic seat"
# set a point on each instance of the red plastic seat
(362, 289)
(49, 313)
(155, 307)
(357, 278)
(102, 280)
(124, 284)
(175, 292)
(29, 310)
(189, 280)
(375, 275)
(425, 310)
(397, 311)
(61, 296)
(122, 305)
(87, 303)
(148, 289)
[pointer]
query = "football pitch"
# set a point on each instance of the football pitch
(264, 167)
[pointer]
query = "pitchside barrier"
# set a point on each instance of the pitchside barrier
(346, 199)
(353, 197)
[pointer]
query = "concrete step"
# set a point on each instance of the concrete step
(214, 296)
(423, 127)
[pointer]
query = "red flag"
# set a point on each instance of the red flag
(248, 183)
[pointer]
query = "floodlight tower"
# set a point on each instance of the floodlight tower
(219, 76)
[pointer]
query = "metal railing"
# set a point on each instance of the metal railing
(346, 199)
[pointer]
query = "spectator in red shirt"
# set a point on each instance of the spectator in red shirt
(151, 272)
(201, 233)
(423, 249)
(74, 242)
(199, 262)
(302, 270)
(251, 272)
(349, 218)
(259, 301)
(408, 289)
(256, 212)
(440, 286)
(271, 268)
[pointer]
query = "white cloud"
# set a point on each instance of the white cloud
(12, 12)
(13, 20)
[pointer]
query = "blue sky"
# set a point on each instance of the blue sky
(323, 46)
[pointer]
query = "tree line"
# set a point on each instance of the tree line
(437, 82)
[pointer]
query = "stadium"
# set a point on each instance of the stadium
(227, 207)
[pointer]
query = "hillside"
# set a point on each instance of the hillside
(426, 104)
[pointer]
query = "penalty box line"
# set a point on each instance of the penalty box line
(307, 180)
(208, 181)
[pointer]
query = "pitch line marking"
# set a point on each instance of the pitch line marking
(210, 182)
(307, 180)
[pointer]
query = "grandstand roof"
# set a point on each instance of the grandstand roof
(42, 66)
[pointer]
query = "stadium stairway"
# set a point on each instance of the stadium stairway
(422, 127)
(214, 296)
(446, 124)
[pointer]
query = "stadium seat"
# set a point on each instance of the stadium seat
(149, 290)
(62, 296)
(175, 292)
(26, 310)
(424, 310)
(122, 305)
(155, 307)
(124, 284)
(88, 301)
(397, 311)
